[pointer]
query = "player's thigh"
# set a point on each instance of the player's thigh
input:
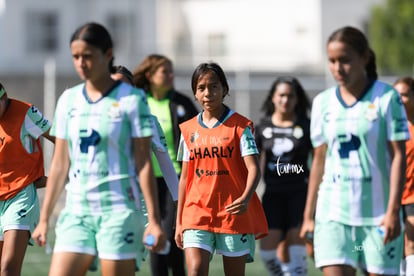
(236, 245)
(69, 263)
(119, 235)
(378, 258)
(334, 245)
(124, 267)
(20, 212)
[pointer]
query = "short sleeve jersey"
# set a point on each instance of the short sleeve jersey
(102, 176)
(286, 151)
(356, 181)
(35, 124)
(21, 156)
(246, 145)
(217, 175)
(158, 141)
(161, 109)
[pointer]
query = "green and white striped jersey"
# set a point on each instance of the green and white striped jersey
(356, 181)
(102, 175)
(34, 125)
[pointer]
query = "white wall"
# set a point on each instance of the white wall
(261, 34)
(16, 55)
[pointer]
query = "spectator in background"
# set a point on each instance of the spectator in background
(283, 139)
(358, 130)
(405, 86)
(156, 76)
(103, 139)
(21, 171)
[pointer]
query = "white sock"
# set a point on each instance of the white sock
(298, 264)
(409, 268)
(403, 264)
(271, 262)
(285, 268)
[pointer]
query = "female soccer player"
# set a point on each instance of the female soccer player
(103, 141)
(218, 208)
(358, 130)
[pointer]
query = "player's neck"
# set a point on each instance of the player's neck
(159, 92)
(283, 119)
(210, 117)
(97, 89)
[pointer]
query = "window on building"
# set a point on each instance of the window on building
(182, 45)
(216, 44)
(42, 31)
(119, 26)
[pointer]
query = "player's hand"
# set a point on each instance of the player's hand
(391, 226)
(39, 235)
(178, 236)
(159, 236)
(237, 207)
(307, 229)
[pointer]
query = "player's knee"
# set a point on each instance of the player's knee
(9, 268)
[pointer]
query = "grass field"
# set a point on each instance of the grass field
(37, 263)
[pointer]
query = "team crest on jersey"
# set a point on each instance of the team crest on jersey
(371, 113)
(194, 137)
(267, 132)
(297, 132)
(114, 111)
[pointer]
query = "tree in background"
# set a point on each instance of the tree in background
(391, 34)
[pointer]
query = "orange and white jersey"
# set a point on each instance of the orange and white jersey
(217, 176)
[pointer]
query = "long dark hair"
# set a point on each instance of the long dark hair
(357, 40)
(96, 35)
(303, 105)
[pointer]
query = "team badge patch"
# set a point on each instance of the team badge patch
(114, 111)
(194, 137)
(371, 113)
(297, 132)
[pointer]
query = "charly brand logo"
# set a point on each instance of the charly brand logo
(286, 168)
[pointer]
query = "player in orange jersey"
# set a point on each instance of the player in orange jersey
(21, 170)
(218, 208)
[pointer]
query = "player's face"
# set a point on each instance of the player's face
(407, 96)
(163, 76)
(210, 92)
(90, 62)
(345, 64)
(284, 99)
